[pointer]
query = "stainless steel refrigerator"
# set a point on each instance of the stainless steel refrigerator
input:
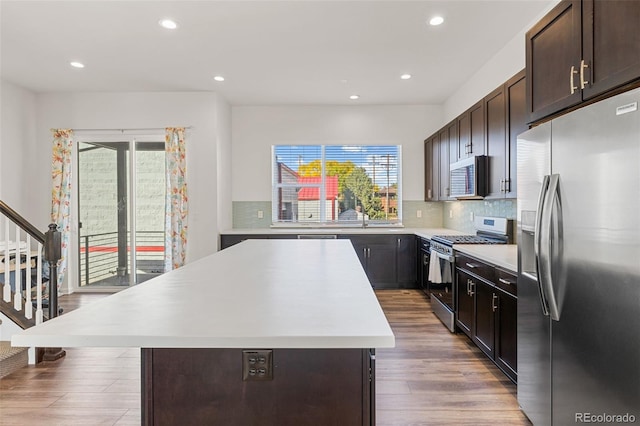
(579, 266)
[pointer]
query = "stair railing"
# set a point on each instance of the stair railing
(20, 240)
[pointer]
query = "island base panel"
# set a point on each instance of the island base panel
(309, 387)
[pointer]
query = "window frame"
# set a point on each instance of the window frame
(276, 188)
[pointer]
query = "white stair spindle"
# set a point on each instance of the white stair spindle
(39, 314)
(6, 292)
(28, 307)
(17, 293)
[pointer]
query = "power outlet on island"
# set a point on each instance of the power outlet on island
(257, 365)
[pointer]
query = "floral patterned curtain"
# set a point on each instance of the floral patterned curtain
(61, 191)
(176, 206)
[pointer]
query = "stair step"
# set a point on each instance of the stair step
(12, 359)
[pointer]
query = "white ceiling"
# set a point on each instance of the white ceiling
(270, 52)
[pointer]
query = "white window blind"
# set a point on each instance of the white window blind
(336, 184)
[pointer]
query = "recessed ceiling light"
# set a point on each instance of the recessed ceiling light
(354, 97)
(168, 24)
(76, 64)
(405, 76)
(218, 78)
(436, 20)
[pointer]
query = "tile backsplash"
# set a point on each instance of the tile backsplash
(245, 214)
(449, 214)
(431, 214)
(457, 214)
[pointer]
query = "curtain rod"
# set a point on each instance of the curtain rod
(127, 130)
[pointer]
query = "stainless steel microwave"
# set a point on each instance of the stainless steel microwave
(469, 178)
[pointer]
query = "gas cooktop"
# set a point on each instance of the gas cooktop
(466, 239)
(490, 230)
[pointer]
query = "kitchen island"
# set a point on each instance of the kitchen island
(269, 332)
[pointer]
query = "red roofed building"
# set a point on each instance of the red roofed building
(309, 199)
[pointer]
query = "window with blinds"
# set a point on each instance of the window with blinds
(336, 184)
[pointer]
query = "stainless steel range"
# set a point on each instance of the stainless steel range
(441, 289)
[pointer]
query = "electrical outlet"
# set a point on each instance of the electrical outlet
(257, 365)
(260, 214)
(419, 213)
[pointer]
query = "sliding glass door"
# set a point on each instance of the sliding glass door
(121, 194)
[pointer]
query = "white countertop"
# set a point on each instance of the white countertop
(503, 255)
(257, 294)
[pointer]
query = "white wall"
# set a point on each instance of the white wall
(255, 129)
(17, 137)
(143, 110)
(502, 66)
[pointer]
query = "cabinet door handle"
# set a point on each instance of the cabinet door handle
(583, 82)
(501, 185)
(429, 194)
(472, 288)
(470, 265)
(507, 185)
(573, 87)
(398, 242)
(507, 282)
(494, 307)
(468, 287)
(425, 259)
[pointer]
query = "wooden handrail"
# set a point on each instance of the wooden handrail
(23, 223)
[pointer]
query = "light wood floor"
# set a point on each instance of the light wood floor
(432, 377)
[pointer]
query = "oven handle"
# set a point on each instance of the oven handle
(442, 256)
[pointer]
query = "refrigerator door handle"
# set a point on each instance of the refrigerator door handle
(546, 279)
(538, 243)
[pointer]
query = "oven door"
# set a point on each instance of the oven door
(441, 278)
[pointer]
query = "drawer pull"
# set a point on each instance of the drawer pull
(507, 282)
(471, 266)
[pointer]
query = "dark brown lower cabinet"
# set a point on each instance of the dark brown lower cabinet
(483, 333)
(486, 310)
(464, 302)
(309, 387)
(506, 334)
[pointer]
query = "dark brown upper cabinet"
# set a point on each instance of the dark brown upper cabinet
(471, 132)
(505, 114)
(496, 134)
(580, 50)
(515, 90)
(431, 163)
(448, 154)
(610, 44)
